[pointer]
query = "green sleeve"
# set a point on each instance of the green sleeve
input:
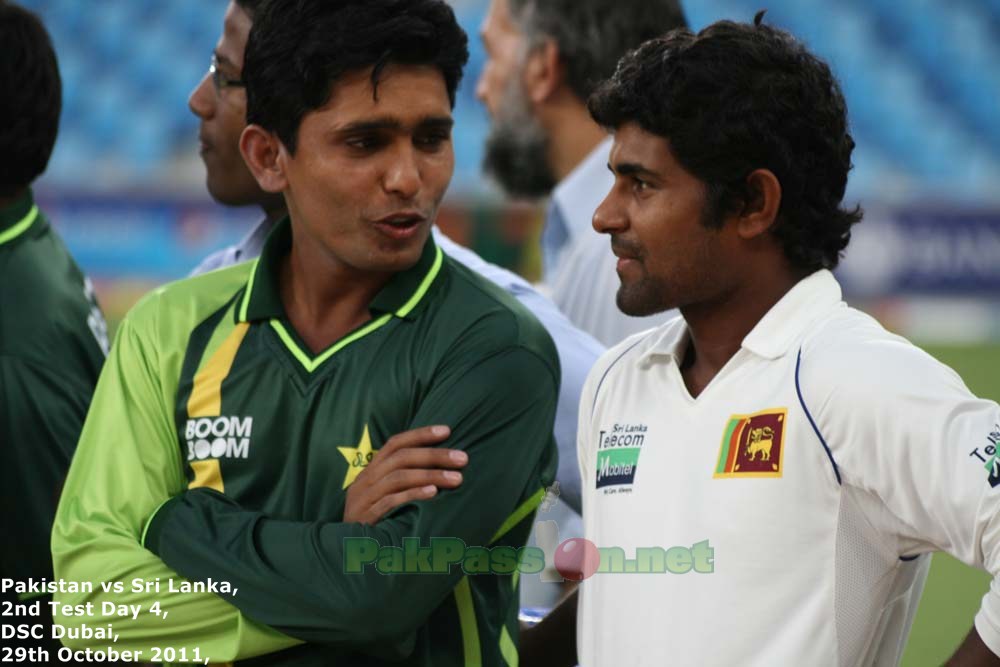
(291, 575)
(127, 463)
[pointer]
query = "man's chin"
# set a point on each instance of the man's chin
(635, 301)
(401, 254)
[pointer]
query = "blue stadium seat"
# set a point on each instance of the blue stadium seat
(922, 83)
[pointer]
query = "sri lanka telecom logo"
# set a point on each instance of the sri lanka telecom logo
(618, 452)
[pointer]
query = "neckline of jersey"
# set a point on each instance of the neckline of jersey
(17, 218)
(312, 362)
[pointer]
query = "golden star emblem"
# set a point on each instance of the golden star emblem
(358, 457)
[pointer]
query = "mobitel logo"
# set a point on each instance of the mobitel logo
(618, 454)
(218, 437)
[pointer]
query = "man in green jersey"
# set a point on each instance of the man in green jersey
(239, 406)
(52, 335)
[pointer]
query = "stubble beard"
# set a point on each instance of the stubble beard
(641, 298)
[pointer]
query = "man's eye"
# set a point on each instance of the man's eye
(364, 143)
(432, 139)
(639, 185)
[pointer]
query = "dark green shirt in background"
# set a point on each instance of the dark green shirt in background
(53, 341)
(267, 436)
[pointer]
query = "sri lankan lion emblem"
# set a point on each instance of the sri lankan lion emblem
(761, 441)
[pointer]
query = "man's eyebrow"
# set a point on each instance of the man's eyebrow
(222, 59)
(391, 123)
(630, 169)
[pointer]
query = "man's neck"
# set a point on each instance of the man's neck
(323, 298)
(573, 135)
(274, 209)
(717, 329)
(8, 200)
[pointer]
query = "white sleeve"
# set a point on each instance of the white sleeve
(904, 428)
(217, 260)
(577, 354)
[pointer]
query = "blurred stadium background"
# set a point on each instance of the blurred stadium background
(125, 185)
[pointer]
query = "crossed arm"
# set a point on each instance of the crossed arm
(128, 465)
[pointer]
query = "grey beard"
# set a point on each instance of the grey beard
(516, 156)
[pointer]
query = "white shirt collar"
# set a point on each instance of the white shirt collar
(579, 194)
(776, 332)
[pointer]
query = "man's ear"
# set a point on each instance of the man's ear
(263, 152)
(761, 208)
(543, 71)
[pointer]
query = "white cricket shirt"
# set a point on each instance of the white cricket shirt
(820, 464)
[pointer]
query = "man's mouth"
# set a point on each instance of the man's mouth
(623, 250)
(402, 225)
(628, 255)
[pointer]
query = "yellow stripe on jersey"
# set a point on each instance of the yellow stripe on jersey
(207, 474)
(206, 395)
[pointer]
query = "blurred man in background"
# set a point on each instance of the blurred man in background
(220, 102)
(544, 59)
(53, 339)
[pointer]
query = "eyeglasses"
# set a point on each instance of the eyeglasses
(220, 80)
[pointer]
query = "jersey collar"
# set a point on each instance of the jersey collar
(18, 217)
(809, 299)
(775, 333)
(401, 296)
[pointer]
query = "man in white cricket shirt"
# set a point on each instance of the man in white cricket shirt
(820, 458)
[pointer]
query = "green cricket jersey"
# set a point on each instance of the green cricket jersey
(212, 403)
(52, 344)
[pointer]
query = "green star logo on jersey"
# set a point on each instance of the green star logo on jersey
(358, 457)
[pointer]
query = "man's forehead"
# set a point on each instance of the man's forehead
(235, 31)
(405, 96)
(498, 19)
(631, 143)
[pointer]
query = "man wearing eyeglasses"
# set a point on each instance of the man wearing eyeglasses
(220, 102)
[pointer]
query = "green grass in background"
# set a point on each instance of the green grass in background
(954, 590)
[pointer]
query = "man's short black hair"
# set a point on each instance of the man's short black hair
(738, 97)
(249, 6)
(593, 34)
(298, 49)
(31, 94)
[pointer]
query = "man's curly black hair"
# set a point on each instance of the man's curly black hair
(738, 97)
(297, 49)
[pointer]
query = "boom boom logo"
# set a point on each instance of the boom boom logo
(218, 437)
